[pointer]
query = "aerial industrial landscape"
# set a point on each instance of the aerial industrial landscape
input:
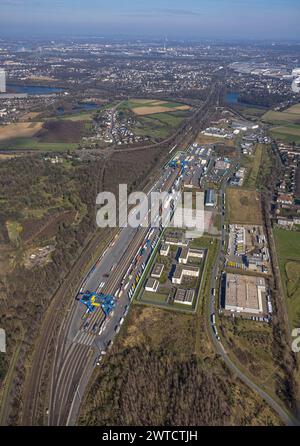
(149, 231)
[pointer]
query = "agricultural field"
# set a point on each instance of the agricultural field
(288, 250)
(19, 130)
(288, 133)
(286, 124)
(144, 107)
(243, 206)
(51, 135)
(154, 118)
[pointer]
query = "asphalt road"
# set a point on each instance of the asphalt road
(287, 418)
(82, 340)
(34, 390)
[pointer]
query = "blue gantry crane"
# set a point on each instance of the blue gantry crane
(94, 300)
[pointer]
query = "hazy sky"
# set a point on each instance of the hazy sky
(275, 19)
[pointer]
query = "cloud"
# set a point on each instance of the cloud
(160, 13)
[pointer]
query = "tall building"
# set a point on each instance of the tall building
(2, 81)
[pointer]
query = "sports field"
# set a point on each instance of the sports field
(243, 206)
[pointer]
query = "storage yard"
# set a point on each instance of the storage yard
(247, 249)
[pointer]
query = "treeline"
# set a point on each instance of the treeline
(141, 387)
(261, 99)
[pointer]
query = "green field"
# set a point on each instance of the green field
(35, 144)
(288, 133)
(83, 116)
(159, 125)
(252, 164)
(273, 117)
(154, 125)
(286, 124)
(288, 251)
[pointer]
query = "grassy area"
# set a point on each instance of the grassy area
(273, 117)
(288, 251)
(243, 206)
(286, 124)
(35, 144)
(288, 133)
(252, 164)
(250, 344)
(251, 112)
(160, 125)
(155, 119)
(14, 229)
(82, 116)
(145, 107)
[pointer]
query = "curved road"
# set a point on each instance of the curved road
(285, 416)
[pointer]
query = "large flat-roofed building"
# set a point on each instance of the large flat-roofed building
(181, 271)
(2, 81)
(245, 294)
(196, 253)
(185, 297)
(152, 285)
(157, 270)
(210, 198)
(186, 253)
(176, 239)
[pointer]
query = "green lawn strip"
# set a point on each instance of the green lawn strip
(288, 251)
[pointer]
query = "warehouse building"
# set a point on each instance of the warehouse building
(210, 198)
(245, 294)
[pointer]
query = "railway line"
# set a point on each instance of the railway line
(72, 359)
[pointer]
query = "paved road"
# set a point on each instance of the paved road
(81, 340)
(286, 417)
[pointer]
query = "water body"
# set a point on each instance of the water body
(33, 89)
(83, 106)
(232, 98)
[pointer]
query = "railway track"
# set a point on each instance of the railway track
(33, 385)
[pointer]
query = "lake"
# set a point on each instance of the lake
(82, 106)
(33, 89)
(232, 97)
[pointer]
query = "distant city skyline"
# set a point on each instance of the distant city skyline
(230, 19)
